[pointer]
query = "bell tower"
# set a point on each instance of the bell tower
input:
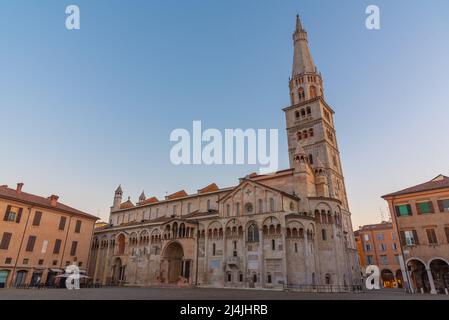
(309, 118)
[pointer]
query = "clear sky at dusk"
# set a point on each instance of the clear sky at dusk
(83, 111)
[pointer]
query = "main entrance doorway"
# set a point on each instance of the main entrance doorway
(173, 265)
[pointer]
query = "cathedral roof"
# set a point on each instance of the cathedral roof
(210, 188)
(439, 182)
(149, 200)
(176, 195)
(127, 205)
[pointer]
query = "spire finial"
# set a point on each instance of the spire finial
(298, 23)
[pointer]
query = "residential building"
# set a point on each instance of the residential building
(421, 217)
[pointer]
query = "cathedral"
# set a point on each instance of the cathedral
(288, 229)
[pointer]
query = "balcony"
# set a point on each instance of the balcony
(233, 261)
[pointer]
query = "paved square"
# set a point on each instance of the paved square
(153, 293)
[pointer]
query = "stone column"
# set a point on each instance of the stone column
(261, 257)
(432, 284)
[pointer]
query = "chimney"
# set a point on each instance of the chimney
(53, 200)
(19, 187)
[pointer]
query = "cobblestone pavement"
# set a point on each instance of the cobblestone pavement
(153, 293)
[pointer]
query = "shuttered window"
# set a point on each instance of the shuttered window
(424, 207)
(62, 223)
(73, 248)
(4, 245)
(37, 218)
(13, 214)
(443, 205)
(431, 236)
(30, 244)
(57, 247)
(78, 226)
(403, 210)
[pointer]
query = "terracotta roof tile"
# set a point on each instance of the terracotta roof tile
(439, 182)
(179, 194)
(210, 188)
(12, 194)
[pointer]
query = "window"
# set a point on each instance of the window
(296, 114)
(62, 223)
(40, 262)
(310, 159)
(78, 226)
(296, 247)
(383, 247)
(367, 247)
(403, 210)
(228, 210)
(380, 236)
(308, 110)
(208, 205)
(229, 277)
(260, 202)
(369, 259)
(312, 92)
(311, 132)
(271, 205)
(443, 205)
(37, 218)
(301, 94)
(189, 207)
(55, 262)
(57, 247)
(8, 260)
(30, 243)
(396, 259)
(409, 238)
(13, 214)
(25, 261)
(253, 233)
(4, 245)
(299, 135)
(328, 279)
(383, 259)
(73, 248)
(237, 208)
(394, 246)
(323, 234)
(269, 278)
(273, 244)
(214, 249)
(431, 236)
(366, 237)
(424, 207)
(241, 277)
(248, 208)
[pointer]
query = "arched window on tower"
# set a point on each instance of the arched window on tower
(304, 134)
(312, 92)
(310, 158)
(308, 111)
(301, 94)
(299, 135)
(296, 114)
(311, 132)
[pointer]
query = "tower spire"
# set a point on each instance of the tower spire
(302, 60)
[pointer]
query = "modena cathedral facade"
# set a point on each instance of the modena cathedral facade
(289, 228)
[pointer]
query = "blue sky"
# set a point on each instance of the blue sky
(83, 111)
